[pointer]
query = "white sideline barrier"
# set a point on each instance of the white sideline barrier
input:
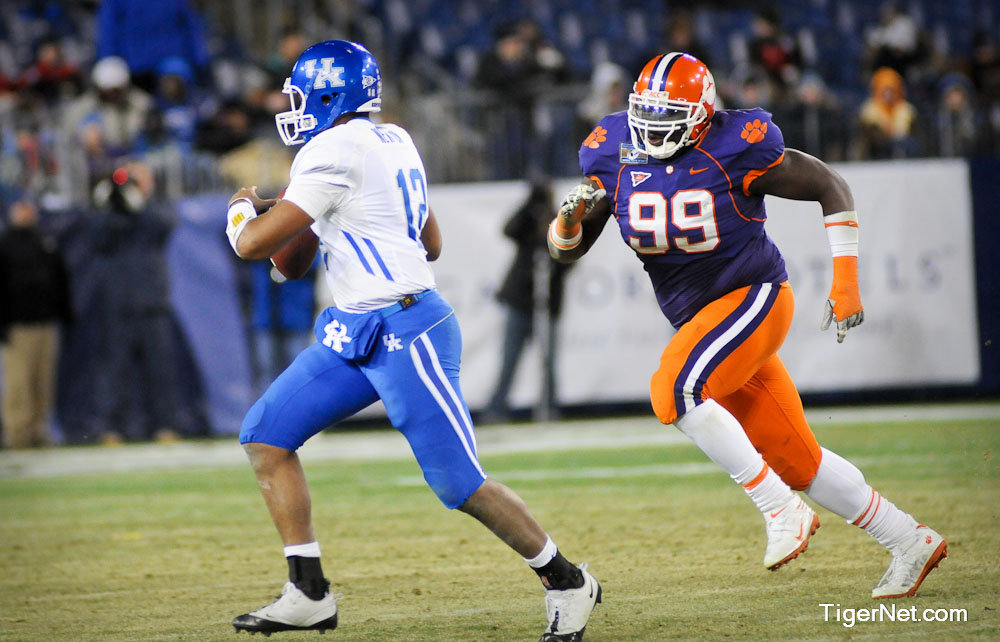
(917, 282)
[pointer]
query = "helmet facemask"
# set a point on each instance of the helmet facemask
(293, 123)
(661, 126)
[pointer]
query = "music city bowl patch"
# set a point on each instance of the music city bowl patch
(629, 155)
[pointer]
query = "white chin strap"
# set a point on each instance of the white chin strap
(666, 149)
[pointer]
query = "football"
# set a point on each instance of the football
(295, 258)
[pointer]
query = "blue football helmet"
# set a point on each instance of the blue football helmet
(328, 80)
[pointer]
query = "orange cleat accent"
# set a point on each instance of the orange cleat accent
(802, 537)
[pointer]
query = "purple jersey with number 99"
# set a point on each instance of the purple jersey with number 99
(690, 218)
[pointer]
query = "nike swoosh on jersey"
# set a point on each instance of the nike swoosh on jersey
(697, 171)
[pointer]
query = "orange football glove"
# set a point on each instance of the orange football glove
(844, 302)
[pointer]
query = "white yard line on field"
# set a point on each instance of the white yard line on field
(685, 469)
(375, 445)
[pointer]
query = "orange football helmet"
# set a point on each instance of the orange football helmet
(671, 104)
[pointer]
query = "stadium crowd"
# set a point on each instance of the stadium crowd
(182, 94)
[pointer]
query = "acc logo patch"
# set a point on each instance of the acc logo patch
(638, 177)
(629, 155)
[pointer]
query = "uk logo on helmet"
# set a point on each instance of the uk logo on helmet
(326, 76)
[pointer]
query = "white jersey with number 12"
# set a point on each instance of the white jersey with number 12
(365, 187)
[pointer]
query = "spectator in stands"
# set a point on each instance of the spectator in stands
(774, 50)
(280, 61)
(145, 33)
(750, 87)
(609, 87)
(28, 153)
(51, 75)
(678, 35)
(896, 42)
(34, 300)
(985, 74)
(812, 120)
(549, 63)
(139, 395)
(277, 66)
(225, 130)
(179, 105)
(107, 120)
(958, 129)
(887, 118)
(518, 67)
(527, 228)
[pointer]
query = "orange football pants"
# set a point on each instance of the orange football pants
(728, 352)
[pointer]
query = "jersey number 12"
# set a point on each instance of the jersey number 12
(414, 201)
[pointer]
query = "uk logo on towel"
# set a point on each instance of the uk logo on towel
(336, 336)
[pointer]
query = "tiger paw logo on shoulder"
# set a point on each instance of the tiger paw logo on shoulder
(598, 136)
(754, 132)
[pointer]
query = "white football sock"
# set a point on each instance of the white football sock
(764, 487)
(889, 526)
(545, 556)
(840, 487)
(309, 549)
(720, 436)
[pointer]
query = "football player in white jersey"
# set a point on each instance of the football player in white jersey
(361, 188)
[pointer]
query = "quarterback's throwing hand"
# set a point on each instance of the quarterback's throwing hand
(580, 200)
(260, 205)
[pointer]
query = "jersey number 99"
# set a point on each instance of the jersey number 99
(689, 210)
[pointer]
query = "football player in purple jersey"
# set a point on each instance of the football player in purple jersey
(686, 184)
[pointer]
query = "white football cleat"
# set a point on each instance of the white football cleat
(569, 610)
(788, 531)
(292, 611)
(911, 565)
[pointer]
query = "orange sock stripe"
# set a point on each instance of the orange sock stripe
(750, 485)
(874, 512)
(870, 502)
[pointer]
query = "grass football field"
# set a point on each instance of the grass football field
(174, 555)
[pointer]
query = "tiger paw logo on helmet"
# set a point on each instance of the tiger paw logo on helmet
(754, 132)
(598, 136)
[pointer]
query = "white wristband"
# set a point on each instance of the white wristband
(564, 243)
(240, 213)
(842, 232)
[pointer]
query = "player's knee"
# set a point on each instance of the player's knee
(252, 421)
(264, 424)
(798, 475)
(265, 458)
(453, 490)
(662, 394)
